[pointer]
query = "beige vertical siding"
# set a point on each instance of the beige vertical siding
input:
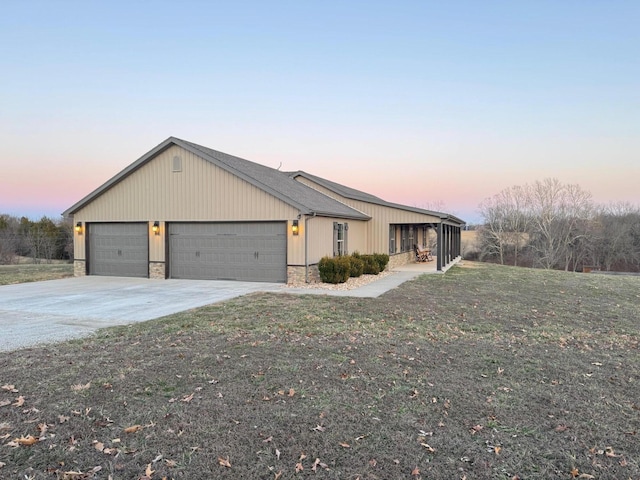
(200, 192)
(157, 243)
(321, 237)
(295, 244)
(377, 229)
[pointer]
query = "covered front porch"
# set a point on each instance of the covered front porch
(443, 239)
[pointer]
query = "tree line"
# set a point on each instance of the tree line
(553, 225)
(42, 241)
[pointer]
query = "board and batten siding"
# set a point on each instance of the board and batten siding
(377, 229)
(200, 192)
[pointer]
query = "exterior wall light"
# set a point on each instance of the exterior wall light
(79, 228)
(156, 227)
(295, 228)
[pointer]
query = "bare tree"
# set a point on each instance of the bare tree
(506, 223)
(559, 218)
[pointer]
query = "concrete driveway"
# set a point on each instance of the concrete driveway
(33, 313)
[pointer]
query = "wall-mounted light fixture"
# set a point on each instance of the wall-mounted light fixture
(79, 228)
(156, 227)
(295, 228)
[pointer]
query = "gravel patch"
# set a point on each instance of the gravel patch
(351, 284)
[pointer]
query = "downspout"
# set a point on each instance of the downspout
(306, 246)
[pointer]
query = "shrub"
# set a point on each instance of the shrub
(371, 267)
(382, 259)
(357, 266)
(373, 264)
(334, 270)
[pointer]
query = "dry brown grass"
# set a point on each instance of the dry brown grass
(482, 373)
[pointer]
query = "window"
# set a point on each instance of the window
(404, 238)
(392, 239)
(340, 231)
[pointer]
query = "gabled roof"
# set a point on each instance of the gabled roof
(270, 180)
(353, 194)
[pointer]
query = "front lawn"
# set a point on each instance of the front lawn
(486, 372)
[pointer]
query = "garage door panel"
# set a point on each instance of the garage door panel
(118, 249)
(234, 251)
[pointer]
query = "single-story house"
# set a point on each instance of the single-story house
(186, 211)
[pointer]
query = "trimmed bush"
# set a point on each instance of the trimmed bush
(373, 264)
(371, 267)
(357, 266)
(382, 259)
(334, 270)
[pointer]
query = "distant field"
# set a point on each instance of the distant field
(25, 272)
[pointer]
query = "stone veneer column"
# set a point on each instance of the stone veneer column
(296, 275)
(156, 270)
(79, 268)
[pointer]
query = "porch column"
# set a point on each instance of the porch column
(440, 249)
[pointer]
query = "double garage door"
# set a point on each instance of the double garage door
(255, 252)
(206, 251)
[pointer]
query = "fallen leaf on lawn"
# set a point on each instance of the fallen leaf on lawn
(428, 447)
(72, 474)
(26, 441)
(187, 398)
(19, 401)
(148, 472)
(277, 454)
(475, 429)
(609, 452)
(4, 403)
(10, 388)
(415, 472)
(319, 428)
(157, 459)
(302, 456)
(497, 450)
(315, 464)
(586, 475)
(170, 463)
(2, 464)
(344, 445)
(299, 467)
(77, 388)
(562, 428)
(267, 440)
(133, 429)
(98, 446)
(292, 392)
(373, 462)
(574, 472)
(278, 475)
(224, 462)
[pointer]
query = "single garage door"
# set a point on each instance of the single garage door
(119, 249)
(253, 252)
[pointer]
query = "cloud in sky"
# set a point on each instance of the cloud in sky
(422, 103)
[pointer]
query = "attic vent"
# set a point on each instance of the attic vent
(177, 164)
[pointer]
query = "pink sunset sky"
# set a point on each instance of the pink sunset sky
(435, 105)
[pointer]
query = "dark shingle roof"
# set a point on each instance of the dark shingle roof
(353, 194)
